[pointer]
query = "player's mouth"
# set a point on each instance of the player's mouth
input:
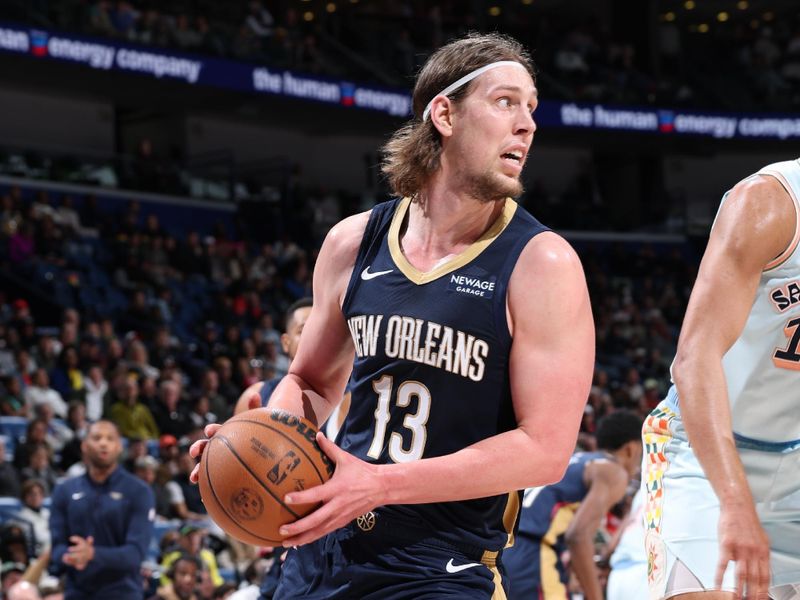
(514, 158)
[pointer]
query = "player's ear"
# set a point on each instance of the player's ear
(285, 342)
(441, 115)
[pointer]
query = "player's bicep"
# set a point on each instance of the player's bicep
(755, 225)
(552, 355)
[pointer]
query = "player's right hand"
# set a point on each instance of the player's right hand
(742, 539)
(196, 449)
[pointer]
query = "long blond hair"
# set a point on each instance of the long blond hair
(412, 154)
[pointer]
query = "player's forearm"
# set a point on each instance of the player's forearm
(706, 416)
(298, 397)
(581, 551)
(500, 464)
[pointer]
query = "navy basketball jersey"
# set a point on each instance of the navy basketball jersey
(430, 375)
(534, 563)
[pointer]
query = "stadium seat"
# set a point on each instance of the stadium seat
(14, 427)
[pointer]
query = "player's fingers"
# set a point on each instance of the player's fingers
(292, 532)
(318, 493)
(741, 576)
(254, 401)
(330, 448)
(196, 449)
(722, 566)
(764, 575)
(211, 429)
(194, 476)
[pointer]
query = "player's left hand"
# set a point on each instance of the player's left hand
(354, 489)
(80, 553)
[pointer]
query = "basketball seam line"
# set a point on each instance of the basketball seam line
(227, 513)
(225, 441)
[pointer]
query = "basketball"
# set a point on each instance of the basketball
(249, 466)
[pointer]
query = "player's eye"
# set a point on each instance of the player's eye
(504, 102)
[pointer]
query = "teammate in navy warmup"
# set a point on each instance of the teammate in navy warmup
(101, 523)
(468, 330)
(566, 515)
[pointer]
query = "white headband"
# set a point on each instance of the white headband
(466, 79)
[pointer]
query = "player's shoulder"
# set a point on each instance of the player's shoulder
(547, 254)
(347, 233)
(759, 193)
(757, 210)
(130, 481)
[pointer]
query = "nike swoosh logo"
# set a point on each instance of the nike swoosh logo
(451, 568)
(366, 275)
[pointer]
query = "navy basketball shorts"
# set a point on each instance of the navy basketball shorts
(534, 571)
(379, 560)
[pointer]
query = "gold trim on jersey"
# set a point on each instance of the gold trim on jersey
(418, 277)
(499, 592)
(784, 256)
(552, 587)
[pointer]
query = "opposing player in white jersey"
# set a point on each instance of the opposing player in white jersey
(722, 451)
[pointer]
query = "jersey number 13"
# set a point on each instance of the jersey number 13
(414, 421)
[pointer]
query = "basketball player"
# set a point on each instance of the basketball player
(258, 394)
(468, 329)
(722, 451)
(566, 515)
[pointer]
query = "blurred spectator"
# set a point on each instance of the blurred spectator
(14, 544)
(169, 415)
(137, 448)
(190, 543)
(32, 511)
(23, 590)
(183, 575)
(67, 378)
(79, 426)
(259, 20)
(58, 433)
(39, 468)
(132, 417)
(10, 573)
(169, 452)
(21, 244)
(200, 414)
(40, 392)
(191, 492)
(101, 560)
(12, 402)
(96, 389)
(9, 479)
(217, 404)
(35, 435)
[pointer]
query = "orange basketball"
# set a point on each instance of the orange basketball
(249, 466)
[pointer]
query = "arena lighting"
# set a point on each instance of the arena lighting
(768, 16)
(703, 28)
(494, 11)
(722, 17)
(669, 17)
(742, 5)
(330, 7)
(689, 5)
(527, 2)
(308, 16)
(754, 24)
